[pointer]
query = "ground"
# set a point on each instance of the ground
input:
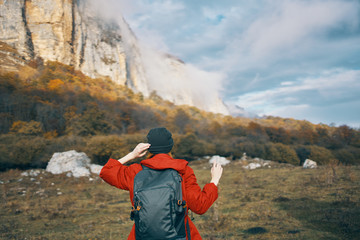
(281, 202)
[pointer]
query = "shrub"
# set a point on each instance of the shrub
(31, 151)
(21, 152)
(101, 148)
(303, 152)
(321, 155)
(282, 153)
(348, 156)
(189, 147)
(253, 149)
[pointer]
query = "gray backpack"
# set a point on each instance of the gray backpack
(158, 210)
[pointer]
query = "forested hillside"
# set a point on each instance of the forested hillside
(47, 108)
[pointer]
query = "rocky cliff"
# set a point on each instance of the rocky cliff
(71, 32)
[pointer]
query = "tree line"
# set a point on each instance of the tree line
(52, 107)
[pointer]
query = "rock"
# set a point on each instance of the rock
(252, 166)
(256, 163)
(94, 168)
(73, 163)
(223, 161)
(32, 173)
(309, 164)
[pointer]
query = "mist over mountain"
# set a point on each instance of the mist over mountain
(75, 33)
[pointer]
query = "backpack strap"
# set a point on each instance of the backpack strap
(188, 230)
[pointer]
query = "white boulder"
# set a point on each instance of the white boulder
(94, 168)
(309, 164)
(252, 166)
(73, 163)
(216, 158)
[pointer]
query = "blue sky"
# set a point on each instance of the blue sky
(297, 58)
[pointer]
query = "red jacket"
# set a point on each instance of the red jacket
(198, 201)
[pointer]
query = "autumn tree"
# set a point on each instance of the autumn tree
(27, 128)
(282, 153)
(321, 155)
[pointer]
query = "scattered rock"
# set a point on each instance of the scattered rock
(40, 192)
(31, 173)
(309, 164)
(216, 158)
(255, 163)
(252, 166)
(72, 163)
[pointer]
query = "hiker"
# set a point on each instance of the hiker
(159, 146)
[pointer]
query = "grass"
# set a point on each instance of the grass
(282, 202)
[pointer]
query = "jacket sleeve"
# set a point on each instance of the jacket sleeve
(119, 175)
(199, 201)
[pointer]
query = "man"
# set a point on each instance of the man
(159, 145)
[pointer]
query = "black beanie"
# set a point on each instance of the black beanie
(160, 140)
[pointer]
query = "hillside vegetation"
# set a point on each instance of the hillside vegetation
(47, 108)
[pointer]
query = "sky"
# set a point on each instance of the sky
(286, 58)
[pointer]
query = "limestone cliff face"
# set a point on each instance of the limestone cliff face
(10, 59)
(71, 32)
(64, 31)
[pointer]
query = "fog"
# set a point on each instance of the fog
(171, 78)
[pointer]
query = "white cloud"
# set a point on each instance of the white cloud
(287, 83)
(290, 100)
(289, 29)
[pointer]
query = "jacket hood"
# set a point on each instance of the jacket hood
(164, 161)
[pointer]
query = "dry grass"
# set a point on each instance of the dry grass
(283, 202)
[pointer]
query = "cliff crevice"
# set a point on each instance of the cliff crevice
(28, 38)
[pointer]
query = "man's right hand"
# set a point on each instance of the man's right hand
(140, 150)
